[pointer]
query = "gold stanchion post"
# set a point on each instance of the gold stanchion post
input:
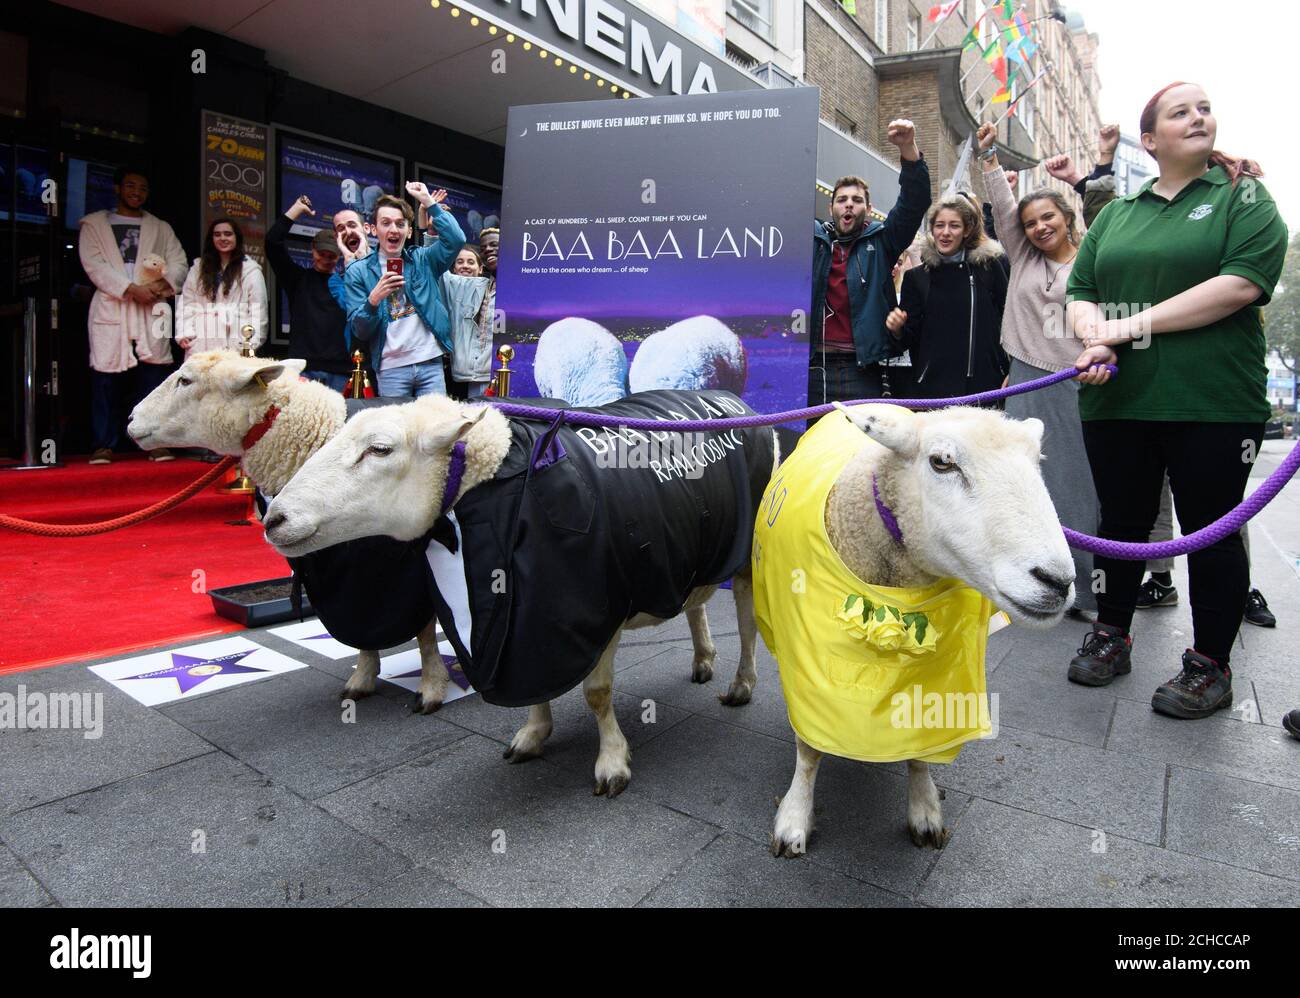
(241, 484)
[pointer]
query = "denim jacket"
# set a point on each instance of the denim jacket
(422, 266)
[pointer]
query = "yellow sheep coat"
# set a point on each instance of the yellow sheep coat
(870, 673)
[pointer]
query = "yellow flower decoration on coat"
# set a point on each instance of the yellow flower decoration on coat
(888, 634)
(887, 627)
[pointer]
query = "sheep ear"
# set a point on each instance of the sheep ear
(1035, 428)
(294, 365)
(891, 426)
(243, 378)
(441, 439)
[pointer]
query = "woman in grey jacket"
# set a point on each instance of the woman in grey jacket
(471, 303)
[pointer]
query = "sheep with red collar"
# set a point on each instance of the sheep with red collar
(261, 411)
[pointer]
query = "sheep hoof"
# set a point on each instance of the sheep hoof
(358, 694)
(738, 695)
(514, 755)
(611, 787)
(701, 672)
(935, 838)
(787, 849)
(418, 706)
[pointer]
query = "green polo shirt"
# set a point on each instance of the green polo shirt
(1143, 249)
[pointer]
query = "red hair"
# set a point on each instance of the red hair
(1235, 168)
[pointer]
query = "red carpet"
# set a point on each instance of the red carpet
(85, 597)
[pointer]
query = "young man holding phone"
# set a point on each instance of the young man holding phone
(394, 305)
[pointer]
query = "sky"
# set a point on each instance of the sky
(1243, 54)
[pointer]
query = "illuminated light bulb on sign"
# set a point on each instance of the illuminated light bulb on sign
(473, 22)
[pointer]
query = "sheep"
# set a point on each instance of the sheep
(591, 550)
(951, 499)
(213, 400)
(579, 361)
(700, 352)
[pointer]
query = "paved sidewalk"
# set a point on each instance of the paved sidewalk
(1086, 797)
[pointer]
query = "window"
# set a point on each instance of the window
(756, 15)
(882, 24)
(845, 124)
(1025, 109)
(913, 31)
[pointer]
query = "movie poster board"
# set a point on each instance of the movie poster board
(636, 215)
(234, 182)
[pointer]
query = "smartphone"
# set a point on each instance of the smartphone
(394, 265)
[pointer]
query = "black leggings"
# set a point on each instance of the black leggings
(1207, 475)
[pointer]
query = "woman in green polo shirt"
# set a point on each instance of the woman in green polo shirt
(1167, 284)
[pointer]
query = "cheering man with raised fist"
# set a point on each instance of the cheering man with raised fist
(852, 287)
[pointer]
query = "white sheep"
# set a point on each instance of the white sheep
(213, 400)
(404, 454)
(882, 497)
(699, 352)
(581, 362)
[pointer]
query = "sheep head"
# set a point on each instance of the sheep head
(211, 401)
(970, 501)
(383, 473)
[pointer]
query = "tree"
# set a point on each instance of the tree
(1282, 317)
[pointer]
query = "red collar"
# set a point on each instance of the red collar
(259, 430)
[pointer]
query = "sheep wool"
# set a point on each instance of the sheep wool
(580, 529)
(873, 673)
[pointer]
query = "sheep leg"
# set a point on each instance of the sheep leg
(527, 743)
(794, 816)
(614, 761)
(433, 674)
(924, 812)
(742, 686)
(362, 681)
(705, 651)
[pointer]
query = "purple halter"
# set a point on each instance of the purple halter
(455, 473)
(886, 514)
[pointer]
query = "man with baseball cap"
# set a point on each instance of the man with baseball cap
(317, 316)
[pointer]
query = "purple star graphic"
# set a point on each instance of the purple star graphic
(189, 671)
(453, 669)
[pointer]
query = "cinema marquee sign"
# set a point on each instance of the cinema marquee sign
(651, 56)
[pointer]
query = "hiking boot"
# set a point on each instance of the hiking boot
(161, 454)
(1291, 722)
(101, 455)
(1257, 611)
(1103, 656)
(1152, 593)
(1199, 690)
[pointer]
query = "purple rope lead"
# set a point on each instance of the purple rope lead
(578, 418)
(1225, 526)
(1121, 550)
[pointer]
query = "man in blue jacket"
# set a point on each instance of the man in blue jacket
(394, 304)
(853, 289)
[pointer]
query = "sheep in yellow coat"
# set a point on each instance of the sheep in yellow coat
(947, 515)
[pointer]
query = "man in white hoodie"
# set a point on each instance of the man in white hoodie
(130, 323)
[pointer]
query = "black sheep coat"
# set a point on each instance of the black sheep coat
(537, 569)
